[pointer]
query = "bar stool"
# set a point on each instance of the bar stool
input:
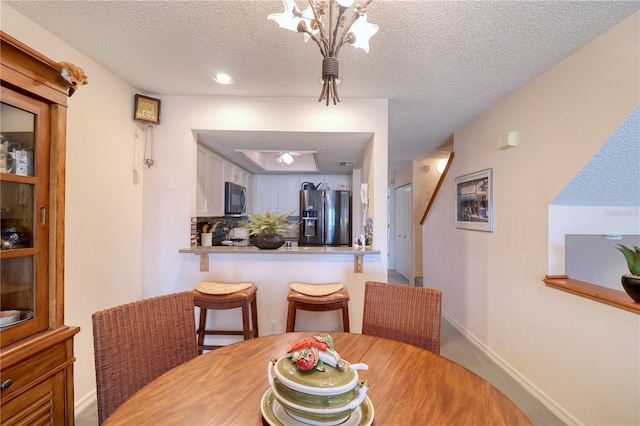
(220, 296)
(317, 298)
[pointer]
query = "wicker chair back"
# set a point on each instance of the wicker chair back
(404, 313)
(137, 342)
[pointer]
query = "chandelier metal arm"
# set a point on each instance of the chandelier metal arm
(322, 41)
(334, 37)
(303, 29)
(354, 17)
(335, 96)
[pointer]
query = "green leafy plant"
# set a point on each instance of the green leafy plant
(268, 223)
(633, 258)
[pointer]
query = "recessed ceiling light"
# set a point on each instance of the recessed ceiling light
(223, 79)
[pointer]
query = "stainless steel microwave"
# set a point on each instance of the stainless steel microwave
(235, 198)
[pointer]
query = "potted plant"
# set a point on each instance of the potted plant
(266, 229)
(631, 282)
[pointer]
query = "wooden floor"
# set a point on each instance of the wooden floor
(456, 347)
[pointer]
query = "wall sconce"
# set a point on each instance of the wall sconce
(508, 141)
(441, 165)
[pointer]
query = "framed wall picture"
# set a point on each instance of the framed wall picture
(147, 109)
(474, 201)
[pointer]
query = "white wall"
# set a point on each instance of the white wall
(169, 197)
(103, 247)
(596, 260)
(581, 356)
(586, 220)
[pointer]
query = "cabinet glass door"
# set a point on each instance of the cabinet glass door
(24, 195)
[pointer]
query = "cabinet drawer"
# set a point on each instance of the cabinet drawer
(42, 404)
(31, 368)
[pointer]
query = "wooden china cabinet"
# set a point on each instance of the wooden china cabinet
(36, 348)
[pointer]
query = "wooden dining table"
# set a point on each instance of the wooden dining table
(408, 386)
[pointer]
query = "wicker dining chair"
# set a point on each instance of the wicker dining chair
(137, 342)
(402, 312)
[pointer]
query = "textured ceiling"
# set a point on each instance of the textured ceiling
(439, 63)
(612, 176)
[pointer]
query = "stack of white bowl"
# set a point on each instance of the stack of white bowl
(9, 317)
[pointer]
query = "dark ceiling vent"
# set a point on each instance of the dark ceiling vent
(346, 163)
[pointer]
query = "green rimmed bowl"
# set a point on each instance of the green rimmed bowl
(314, 401)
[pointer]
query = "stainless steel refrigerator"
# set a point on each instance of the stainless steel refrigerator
(325, 218)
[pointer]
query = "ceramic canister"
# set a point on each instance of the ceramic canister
(316, 397)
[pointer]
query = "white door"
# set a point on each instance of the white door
(403, 231)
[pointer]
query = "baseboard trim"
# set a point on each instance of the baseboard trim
(85, 401)
(548, 402)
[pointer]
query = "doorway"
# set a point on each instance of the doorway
(402, 236)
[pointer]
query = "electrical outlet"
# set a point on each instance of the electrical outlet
(273, 327)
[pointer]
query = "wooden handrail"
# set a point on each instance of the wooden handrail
(435, 191)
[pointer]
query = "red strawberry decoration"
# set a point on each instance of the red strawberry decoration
(306, 360)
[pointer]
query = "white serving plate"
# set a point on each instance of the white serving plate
(275, 414)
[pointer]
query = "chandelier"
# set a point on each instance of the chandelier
(330, 23)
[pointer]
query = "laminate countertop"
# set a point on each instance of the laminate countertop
(281, 250)
(357, 253)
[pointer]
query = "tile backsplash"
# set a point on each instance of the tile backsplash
(224, 224)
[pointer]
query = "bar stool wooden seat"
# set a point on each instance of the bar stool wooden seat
(317, 298)
(221, 296)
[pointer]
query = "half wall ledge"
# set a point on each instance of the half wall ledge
(608, 296)
(358, 254)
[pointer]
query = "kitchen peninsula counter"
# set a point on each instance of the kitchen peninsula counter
(357, 253)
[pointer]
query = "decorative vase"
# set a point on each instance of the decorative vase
(631, 284)
(267, 242)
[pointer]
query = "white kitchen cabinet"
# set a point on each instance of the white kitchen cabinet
(210, 184)
(232, 173)
(246, 180)
(278, 193)
(289, 194)
(239, 176)
(337, 182)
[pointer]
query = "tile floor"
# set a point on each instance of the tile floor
(395, 277)
(456, 347)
